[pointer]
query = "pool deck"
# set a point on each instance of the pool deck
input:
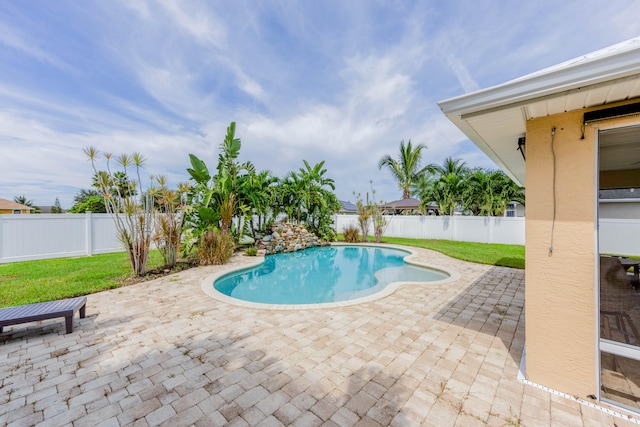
(163, 352)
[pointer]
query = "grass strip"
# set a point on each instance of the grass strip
(46, 280)
(481, 253)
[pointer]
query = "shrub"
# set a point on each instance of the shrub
(351, 234)
(251, 251)
(364, 216)
(379, 222)
(93, 204)
(215, 248)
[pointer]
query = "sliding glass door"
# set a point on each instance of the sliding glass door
(619, 265)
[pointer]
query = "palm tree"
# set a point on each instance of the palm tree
(452, 166)
(258, 189)
(23, 201)
(424, 188)
(307, 197)
(406, 169)
(479, 196)
(451, 183)
(489, 192)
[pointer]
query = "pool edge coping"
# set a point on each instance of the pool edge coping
(207, 284)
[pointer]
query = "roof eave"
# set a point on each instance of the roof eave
(571, 75)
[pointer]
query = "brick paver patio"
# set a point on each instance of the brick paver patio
(164, 353)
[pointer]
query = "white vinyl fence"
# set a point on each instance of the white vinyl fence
(461, 228)
(41, 236)
(619, 236)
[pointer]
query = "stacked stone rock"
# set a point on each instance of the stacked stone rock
(287, 237)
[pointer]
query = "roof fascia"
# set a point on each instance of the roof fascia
(570, 76)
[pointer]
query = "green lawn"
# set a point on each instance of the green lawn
(482, 253)
(45, 280)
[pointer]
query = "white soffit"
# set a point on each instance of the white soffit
(495, 118)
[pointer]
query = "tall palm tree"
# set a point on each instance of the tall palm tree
(406, 169)
(452, 166)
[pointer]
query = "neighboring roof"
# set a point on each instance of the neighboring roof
(348, 206)
(48, 209)
(10, 204)
(403, 204)
(495, 118)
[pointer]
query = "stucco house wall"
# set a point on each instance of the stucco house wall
(560, 307)
(9, 206)
(561, 312)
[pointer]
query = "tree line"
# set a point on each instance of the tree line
(452, 186)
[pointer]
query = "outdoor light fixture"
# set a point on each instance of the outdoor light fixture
(522, 148)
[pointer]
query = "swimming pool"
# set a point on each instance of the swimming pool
(323, 275)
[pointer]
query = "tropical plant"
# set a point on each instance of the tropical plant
(133, 218)
(251, 251)
(307, 197)
(478, 191)
(319, 203)
(489, 191)
(200, 215)
(260, 192)
(84, 194)
(406, 169)
(169, 219)
(215, 247)
(423, 189)
(452, 184)
(93, 204)
(216, 201)
(380, 222)
(23, 200)
(444, 185)
(364, 216)
(351, 233)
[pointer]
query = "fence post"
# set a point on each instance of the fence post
(490, 229)
(88, 230)
(454, 232)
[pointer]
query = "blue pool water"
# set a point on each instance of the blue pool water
(323, 274)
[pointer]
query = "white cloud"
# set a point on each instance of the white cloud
(16, 38)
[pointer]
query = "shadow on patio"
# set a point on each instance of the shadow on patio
(492, 305)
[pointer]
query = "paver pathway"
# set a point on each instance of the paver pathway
(164, 353)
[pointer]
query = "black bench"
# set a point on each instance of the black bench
(44, 310)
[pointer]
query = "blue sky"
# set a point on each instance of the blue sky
(340, 81)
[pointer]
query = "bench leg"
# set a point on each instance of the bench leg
(69, 322)
(82, 311)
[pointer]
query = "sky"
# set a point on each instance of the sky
(336, 81)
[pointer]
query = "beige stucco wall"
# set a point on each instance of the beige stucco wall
(560, 308)
(559, 292)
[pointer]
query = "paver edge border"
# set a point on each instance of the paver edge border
(207, 284)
